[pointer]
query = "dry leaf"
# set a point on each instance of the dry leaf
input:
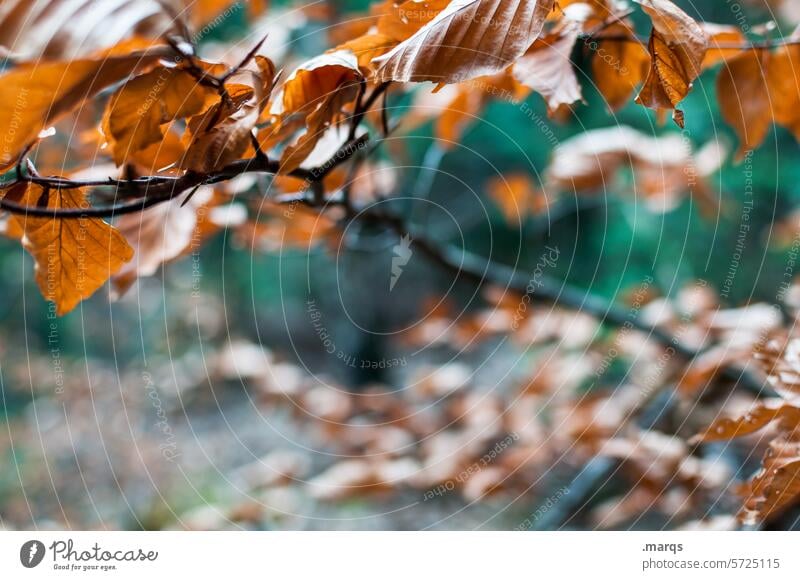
(468, 39)
(36, 95)
(719, 37)
(317, 91)
(619, 67)
(158, 235)
(67, 30)
(744, 99)
(222, 134)
(517, 196)
(74, 257)
(400, 20)
(757, 418)
(368, 47)
(136, 114)
(677, 48)
(547, 67)
(776, 486)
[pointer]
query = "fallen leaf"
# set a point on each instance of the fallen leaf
(776, 486)
(757, 418)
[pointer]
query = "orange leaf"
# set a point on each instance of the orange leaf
(517, 196)
(618, 67)
(719, 35)
(66, 30)
(776, 486)
(403, 19)
(744, 99)
(368, 47)
(135, 114)
(74, 257)
(318, 90)
(36, 95)
(224, 133)
(677, 47)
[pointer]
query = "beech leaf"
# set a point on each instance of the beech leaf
(468, 39)
(677, 48)
(74, 257)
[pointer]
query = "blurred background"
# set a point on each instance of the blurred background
(280, 388)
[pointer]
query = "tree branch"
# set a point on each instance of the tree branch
(158, 189)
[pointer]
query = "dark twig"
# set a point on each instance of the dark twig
(244, 62)
(159, 189)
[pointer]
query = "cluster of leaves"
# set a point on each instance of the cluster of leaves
(174, 136)
(175, 121)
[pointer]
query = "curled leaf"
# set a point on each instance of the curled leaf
(547, 67)
(223, 133)
(468, 39)
(137, 113)
(677, 48)
(317, 90)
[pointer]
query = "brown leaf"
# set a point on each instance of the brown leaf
(67, 30)
(677, 47)
(368, 47)
(547, 67)
(317, 90)
(757, 418)
(744, 98)
(223, 133)
(776, 486)
(400, 20)
(468, 39)
(619, 67)
(136, 114)
(36, 95)
(74, 257)
(783, 84)
(780, 360)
